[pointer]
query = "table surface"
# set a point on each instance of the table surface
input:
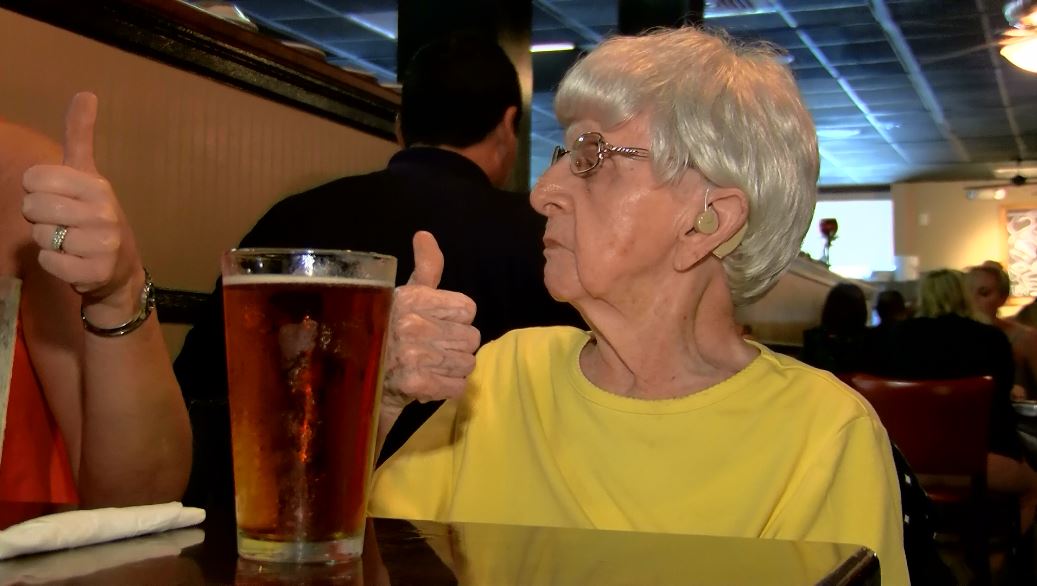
(399, 552)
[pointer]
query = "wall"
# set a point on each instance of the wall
(194, 162)
(935, 222)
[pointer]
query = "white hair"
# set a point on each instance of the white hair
(729, 110)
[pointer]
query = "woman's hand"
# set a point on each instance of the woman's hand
(432, 342)
(82, 233)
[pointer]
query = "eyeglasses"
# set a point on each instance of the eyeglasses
(590, 149)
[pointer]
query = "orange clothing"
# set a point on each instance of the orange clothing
(35, 472)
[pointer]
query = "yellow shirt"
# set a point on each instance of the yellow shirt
(779, 450)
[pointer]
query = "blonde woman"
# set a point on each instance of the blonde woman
(989, 287)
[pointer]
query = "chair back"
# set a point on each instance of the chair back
(941, 426)
(177, 306)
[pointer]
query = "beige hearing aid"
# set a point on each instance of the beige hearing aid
(707, 222)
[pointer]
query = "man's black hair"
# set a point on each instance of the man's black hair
(890, 306)
(455, 91)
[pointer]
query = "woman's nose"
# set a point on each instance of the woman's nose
(549, 195)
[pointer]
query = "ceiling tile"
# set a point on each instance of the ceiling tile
(946, 37)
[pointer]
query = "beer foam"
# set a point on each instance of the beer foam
(302, 280)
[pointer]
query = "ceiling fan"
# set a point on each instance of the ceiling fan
(1019, 41)
(1017, 179)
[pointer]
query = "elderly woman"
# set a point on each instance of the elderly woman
(989, 287)
(686, 188)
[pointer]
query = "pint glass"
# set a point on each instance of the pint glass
(306, 332)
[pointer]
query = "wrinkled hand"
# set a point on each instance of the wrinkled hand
(98, 256)
(432, 342)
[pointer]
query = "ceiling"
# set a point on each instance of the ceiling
(900, 90)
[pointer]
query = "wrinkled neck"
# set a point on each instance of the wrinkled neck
(680, 341)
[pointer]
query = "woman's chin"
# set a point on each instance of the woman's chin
(562, 289)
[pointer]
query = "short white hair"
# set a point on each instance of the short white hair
(730, 110)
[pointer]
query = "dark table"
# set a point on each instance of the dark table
(399, 553)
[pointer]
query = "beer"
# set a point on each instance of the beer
(304, 372)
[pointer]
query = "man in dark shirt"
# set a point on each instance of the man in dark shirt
(459, 114)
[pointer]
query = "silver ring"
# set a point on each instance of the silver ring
(57, 240)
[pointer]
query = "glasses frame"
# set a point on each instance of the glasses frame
(605, 150)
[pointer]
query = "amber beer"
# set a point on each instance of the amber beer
(304, 371)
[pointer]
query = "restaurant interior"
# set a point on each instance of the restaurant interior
(926, 117)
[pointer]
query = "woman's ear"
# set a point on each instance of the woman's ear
(716, 229)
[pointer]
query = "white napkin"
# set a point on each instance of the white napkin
(79, 528)
(77, 563)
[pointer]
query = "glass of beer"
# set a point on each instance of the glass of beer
(306, 332)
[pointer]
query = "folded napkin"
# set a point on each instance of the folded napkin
(79, 528)
(79, 563)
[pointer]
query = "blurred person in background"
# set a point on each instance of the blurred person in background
(685, 187)
(891, 308)
(94, 416)
(1027, 315)
(943, 341)
(840, 343)
(989, 288)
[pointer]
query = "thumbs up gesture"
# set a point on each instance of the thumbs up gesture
(432, 342)
(83, 236)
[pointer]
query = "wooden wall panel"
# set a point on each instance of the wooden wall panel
(194, 162)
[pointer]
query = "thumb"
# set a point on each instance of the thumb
(79, 132)
(428, 261)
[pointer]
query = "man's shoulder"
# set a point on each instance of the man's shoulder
(341, 189)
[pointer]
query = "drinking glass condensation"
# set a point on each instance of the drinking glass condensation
(306, 332)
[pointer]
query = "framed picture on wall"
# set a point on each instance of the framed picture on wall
(1020, 259)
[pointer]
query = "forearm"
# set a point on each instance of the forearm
(136, 436)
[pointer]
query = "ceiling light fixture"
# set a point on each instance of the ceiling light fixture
(1019, 44)
(838, 133)
(380, 23)
(1022, 53)
(1021, 13)
(549, 47)
(986, 193)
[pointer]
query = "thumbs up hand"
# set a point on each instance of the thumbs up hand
(83, 236)
(432, 343)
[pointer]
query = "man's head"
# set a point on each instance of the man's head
(891, 307)
(459, 92)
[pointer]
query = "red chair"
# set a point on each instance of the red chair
(942, 428)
